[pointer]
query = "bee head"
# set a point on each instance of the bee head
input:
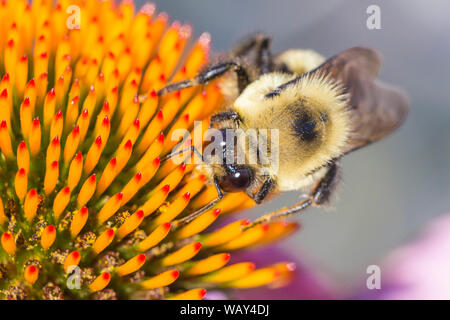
(221, 155)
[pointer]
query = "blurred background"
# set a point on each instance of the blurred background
(391, 189)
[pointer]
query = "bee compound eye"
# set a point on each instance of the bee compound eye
(236, 180)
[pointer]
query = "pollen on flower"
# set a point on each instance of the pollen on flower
(84, 177)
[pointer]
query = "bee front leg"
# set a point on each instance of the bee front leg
(261, 43)
(225, 116)
(210, 74)
(320, 195)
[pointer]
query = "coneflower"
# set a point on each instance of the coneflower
(87, 209)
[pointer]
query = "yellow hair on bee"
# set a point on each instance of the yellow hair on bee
(300, 60)
(311, 116)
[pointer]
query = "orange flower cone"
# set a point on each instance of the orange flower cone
(82, 187)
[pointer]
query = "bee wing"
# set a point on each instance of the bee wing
(377, 111)
(376, 108)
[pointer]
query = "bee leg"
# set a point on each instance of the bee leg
(183, 221)
(210, 74)
(319, 195)
(225, 116)
(244, 46)
(265, 189)
(264, 57)
(325, 187)
(261, 43)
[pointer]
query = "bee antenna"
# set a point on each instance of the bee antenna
(177, 153)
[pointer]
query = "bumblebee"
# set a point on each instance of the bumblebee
(322, 109)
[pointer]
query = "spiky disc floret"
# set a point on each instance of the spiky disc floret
(87, 209)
